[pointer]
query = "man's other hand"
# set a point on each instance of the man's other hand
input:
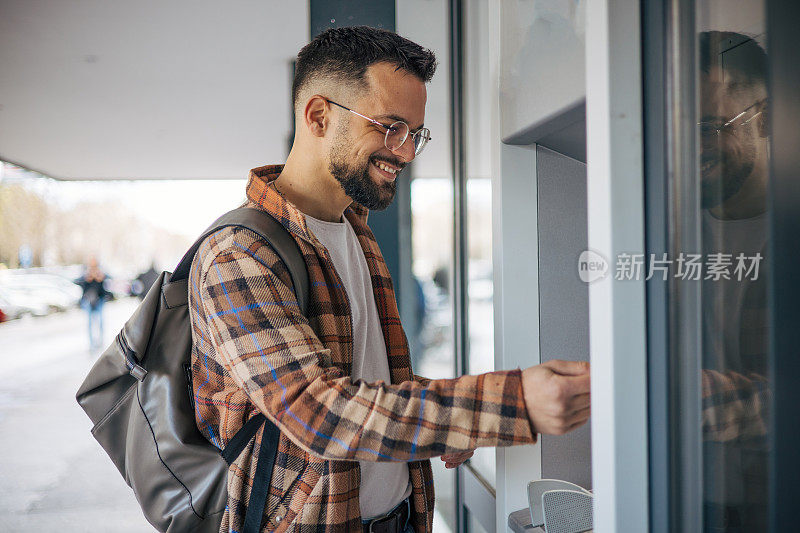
(454, 460)
(557, 395)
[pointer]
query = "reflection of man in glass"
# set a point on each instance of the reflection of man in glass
(734, 154)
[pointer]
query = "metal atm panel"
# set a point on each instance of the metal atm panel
(563, 297)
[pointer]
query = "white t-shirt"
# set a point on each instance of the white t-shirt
(383, 485)
(733, 321)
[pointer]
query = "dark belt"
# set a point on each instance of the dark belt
(392, 522)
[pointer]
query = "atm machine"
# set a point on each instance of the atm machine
(561, 234)
(638, 113)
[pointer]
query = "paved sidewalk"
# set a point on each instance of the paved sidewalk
(56, 478)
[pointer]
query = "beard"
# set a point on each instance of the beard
(725, 169)
(356, 182)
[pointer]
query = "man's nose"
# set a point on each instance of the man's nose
(406, 150)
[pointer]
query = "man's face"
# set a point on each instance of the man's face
(728, 156)
(358, 145)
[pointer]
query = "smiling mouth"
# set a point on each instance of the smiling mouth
(388, 171)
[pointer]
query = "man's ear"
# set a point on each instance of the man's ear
(316, 115)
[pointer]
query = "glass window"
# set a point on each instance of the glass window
(474, 526)
(432, 343)
(478, 140)
(430, 328)
(732, 177)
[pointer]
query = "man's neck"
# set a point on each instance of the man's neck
(312, 189)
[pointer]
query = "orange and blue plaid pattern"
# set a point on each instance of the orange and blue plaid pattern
(254, 351)
(735, 406)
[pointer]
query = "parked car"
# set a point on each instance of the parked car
(53, 291)
(17, 302)
(8, 311)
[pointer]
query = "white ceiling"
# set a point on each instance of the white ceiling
(147, 89)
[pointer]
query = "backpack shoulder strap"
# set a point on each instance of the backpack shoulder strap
(285, 246)
(268, 229)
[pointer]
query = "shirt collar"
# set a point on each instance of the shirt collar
(262, 191)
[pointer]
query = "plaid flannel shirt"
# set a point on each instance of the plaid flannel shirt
(734, 406)
(253, 351)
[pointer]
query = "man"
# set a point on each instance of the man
(734, 172)
(93, 298)
(357, 427)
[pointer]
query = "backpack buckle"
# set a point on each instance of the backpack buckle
(137, 372)
(134, 369)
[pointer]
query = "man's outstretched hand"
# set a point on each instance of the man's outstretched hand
(557, 396)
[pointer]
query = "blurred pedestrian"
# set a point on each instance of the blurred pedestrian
(94, 296)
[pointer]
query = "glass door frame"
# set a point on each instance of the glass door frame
(673, 313)
(783, 17)
(475, 497)
(472, 492)
(673, 309)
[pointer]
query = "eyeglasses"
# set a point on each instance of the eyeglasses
(708, 129)
(397, 133)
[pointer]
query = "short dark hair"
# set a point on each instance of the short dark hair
(346, 53)
(750, 58)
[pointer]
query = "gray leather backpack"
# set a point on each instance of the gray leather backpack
(139, 398)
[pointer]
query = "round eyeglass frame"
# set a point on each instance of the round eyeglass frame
(741, 119)
(420, 137)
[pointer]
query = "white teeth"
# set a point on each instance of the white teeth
(385, 168)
